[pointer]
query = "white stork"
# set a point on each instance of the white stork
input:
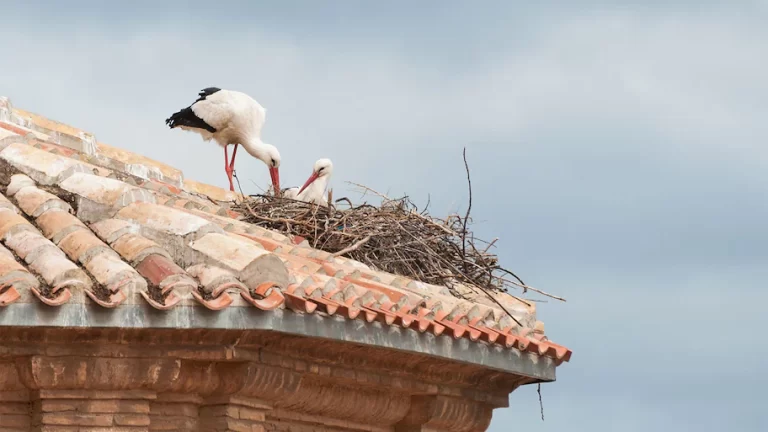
(313, 190)
(230, 117)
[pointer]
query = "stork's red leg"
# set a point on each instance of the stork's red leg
(227, 169)
(232, 164)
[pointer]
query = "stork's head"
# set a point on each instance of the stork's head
(322, 168)
(268, 154)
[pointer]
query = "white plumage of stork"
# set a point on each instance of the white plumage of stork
(230, 117)
(313, 190)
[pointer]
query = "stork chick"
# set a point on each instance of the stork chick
(313, 190)
(230, 117)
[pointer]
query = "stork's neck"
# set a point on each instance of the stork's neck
(254, 146)
(260, 150)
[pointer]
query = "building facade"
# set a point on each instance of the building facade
(133, 299)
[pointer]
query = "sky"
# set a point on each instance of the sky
(617, 149)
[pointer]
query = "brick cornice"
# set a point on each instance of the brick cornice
(228, 379)
(288, 390)
(442, 413)
(96, 373)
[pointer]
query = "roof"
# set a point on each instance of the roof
(84, 223)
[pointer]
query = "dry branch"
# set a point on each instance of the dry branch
(352, 248)
(392, 236)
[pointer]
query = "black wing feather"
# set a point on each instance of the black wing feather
(204, 93)
(187, 117)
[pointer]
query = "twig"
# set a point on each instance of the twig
(523, 285)
(345, 199)
(381, 195)
(258, 187)
(390, 199)
(495, 239)
(493, 299)
(469, 207)
(234, 174)
(527, 287)
(541, 404)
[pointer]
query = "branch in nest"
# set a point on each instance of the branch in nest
(423, 217)
(354, 247)
(527, 287)
(469, 207)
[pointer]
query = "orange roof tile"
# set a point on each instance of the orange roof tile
(81, 219)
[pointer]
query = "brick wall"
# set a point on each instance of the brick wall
(71, 410)
(138, 380)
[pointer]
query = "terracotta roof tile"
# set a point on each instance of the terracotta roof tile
(14, 278)
(5, 132)
(79, 217)
(59, 133)
(163, 219)
(9, 129)
(212, 192)
(144, 167)
(134, 248)
(103, 190)
(35, 202)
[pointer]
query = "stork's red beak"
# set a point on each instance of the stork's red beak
(275, 174)
(309, 181)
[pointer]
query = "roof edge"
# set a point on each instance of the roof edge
(139, 316)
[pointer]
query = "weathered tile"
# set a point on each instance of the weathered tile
(110, 230)
(253, 264)
(34, 201)
(163, 219)
(142, 166)
(133, 247)
(60, 133)
(43, 167)
(81, 246)
(15, 129)
(27, 242)
(212, 192)
(6, 132)
(173, 282)
(109, 270)
(5, 203)
(14, 274)
(56, 269)
(55, 224)
(106, 191)
(10, 220)
(234, 254)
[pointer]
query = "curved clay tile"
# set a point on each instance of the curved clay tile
(266, 296)
(168, 283)
(14, 278)
(42, 257)
(218, 286)
(297, 299)
(80, 244)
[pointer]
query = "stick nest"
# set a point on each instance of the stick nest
(393, 236)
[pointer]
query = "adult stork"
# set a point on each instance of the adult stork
(230, 117)
(313, 190)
